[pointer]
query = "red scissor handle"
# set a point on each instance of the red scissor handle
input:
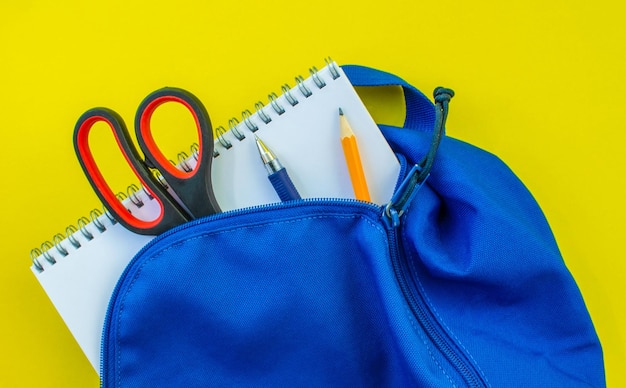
(194, 188)
(171, 213)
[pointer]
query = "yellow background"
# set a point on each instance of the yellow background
(540, 84)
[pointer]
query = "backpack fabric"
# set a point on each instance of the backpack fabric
(458, 281)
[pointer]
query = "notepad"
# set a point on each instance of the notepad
(301, 125)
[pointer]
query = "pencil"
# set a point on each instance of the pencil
(353, 159)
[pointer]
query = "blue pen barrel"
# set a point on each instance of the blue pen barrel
(283, 185)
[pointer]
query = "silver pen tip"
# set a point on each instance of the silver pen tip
(266, 154)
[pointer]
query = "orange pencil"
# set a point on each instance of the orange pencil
(353, 159)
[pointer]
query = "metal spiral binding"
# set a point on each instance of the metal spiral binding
(183, 158)
(34, 257)
(56, 240)
(232, 125)
(58, 247)
(88, 226)
(306, 92)
(287, 92)
(272, 97)
(44, 251)
(121, 196)
(220, 131)
(110, 216)
(332, 67)
(246, 114)
(131, 192)
(195, 151)
(259, 110)
(69, 232)
(94, 214)
(262, 111)
(316, 77)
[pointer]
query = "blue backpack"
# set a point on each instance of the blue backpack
(458, 281)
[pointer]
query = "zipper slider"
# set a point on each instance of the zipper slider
(421, 171)
(403, 196)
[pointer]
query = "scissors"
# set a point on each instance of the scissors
(193, 188)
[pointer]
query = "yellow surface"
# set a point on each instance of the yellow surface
(540, 84)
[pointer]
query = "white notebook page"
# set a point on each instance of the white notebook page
(305, 138)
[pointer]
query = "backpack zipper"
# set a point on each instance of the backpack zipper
(425, 318)
(391, 216)
(104, 339)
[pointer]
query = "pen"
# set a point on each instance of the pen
(277, 174)
(353, 159)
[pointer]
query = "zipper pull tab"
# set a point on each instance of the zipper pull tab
(421, 171)
(403, 196)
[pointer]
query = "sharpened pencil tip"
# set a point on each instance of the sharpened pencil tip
(340, 112)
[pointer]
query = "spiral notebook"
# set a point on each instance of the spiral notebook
(79, 269)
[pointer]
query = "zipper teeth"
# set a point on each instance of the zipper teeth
(431, 331)
(231, 213)
(281, 205)
(267, 207)
(467, 373)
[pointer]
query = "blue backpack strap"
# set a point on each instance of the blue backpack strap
(420, 111)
